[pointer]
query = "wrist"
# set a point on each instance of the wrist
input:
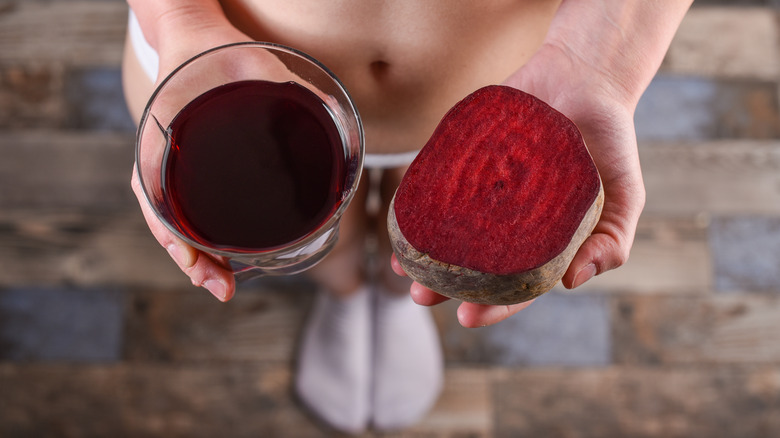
(618, 43)
(572, 86)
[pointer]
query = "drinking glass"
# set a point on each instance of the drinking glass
(241, 62)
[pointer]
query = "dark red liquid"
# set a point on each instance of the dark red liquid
(253, 165)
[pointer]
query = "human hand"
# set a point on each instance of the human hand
(178, 35)
(232, 62)
(603, 111)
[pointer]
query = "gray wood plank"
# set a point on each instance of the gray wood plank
(746, 253)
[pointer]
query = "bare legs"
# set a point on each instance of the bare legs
(369, 355)
(344, 270)
(408, 364)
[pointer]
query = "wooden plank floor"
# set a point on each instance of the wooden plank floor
(100, 335)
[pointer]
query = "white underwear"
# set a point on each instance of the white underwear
(150, 62)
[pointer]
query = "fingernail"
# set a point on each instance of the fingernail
(180, 255)
(217, 288)
(584, 274)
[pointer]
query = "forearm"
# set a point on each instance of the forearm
(623, 41)
(602, 50)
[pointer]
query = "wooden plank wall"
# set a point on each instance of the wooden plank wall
(100, 335)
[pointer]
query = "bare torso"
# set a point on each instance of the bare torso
(404, 63)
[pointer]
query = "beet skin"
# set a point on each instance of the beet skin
(499, 200)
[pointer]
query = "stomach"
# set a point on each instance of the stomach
(404, 63)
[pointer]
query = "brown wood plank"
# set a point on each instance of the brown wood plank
(204, 400)
(61, 170)
(670, 255)
(718, 329)
(143, 400)
(251, 400)
(67, 214)
(78, 248)
(723, 177)
(261, 324)
(465, 408)
(33, 96)
(726, 42)
(639, 402)
(80, 33)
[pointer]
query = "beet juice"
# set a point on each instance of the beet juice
(253, 165)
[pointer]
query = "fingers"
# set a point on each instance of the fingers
(204, 271)
(213, 276)
(609, 245)
(396, 266)
(424, 296)
(600, 253)
(471, 315)
(420, 294)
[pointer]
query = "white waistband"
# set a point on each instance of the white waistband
(389, 161)
(145, 53)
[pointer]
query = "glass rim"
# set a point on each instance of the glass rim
(294, 245)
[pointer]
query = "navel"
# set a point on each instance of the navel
(379, 69)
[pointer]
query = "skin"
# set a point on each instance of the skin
(405, 66)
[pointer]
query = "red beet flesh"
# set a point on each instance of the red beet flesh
(502, 188)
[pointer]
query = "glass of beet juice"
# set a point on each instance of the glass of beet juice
(252, 151)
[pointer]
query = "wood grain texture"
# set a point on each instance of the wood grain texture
(723, 177)
(639, 402)
(66, 170)
(74, 33)
(260, 325)
(150, 400)
(83, 248)
(670, 254)
(726, 42)
(251, 400)
(685, 355)
(714, 330)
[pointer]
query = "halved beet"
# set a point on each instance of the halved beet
(498, 201)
